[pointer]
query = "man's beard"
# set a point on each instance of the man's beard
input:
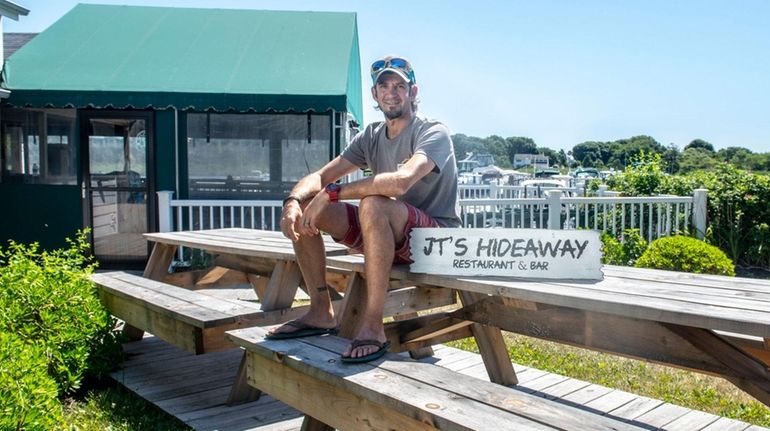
(392, 115)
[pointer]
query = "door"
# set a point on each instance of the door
(116, 185)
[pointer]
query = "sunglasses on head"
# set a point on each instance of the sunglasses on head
(399, 64)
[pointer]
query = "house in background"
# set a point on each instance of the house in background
(12, 11)
(113, 103)
(537, 161)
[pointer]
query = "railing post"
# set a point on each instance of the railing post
(493, 191)
(165, 214)
(699, 210)
(553, 198)
(602, 189)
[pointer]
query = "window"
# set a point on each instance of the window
(38, 145)
(243, 155)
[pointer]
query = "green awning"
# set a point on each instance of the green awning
(201, 59)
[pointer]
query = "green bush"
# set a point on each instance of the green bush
(738, 213)
(624, 250)
(28, 395)
(682, 253)
(47, 299)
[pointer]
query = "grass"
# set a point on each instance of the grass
(109, 406)
(692, 390)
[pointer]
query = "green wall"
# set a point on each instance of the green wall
(44, 213)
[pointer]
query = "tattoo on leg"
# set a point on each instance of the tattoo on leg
(322, 289)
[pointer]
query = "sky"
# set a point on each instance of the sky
(559, 72)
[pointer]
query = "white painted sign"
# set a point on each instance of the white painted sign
(525, 253)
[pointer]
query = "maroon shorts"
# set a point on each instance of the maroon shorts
(355, 240)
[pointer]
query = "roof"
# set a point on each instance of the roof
(12, 10)
(13, 41)
(202, 59)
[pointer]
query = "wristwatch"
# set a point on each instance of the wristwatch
(333, 190)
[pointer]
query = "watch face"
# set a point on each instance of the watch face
(333, 190)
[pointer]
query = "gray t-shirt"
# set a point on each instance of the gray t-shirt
(436, 192)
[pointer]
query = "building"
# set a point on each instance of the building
(537, 161)
(111, 104)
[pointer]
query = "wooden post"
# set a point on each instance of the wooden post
(492, 347)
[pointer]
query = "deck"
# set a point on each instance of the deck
(195, 388)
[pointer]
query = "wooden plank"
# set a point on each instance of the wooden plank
(738, 283)
(422, 352)
(692, 420)
(516, 403)
(564, 388)
(341, 407)
(725, 424)
(587, 394)
(406, 301)
(251, 265)
(353, 304)
(283, 285)
(611, 401)
(159, 261)
(662, 415)
(545, 381)
(636, 408)
(599, 297)
(492, 347)
(173, 300)
(599, 331)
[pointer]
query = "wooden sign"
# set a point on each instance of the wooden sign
(526, 253)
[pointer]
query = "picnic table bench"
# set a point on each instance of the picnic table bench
(197, 322)
(398, 393)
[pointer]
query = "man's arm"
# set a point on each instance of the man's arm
(390, 184)
(306, 188)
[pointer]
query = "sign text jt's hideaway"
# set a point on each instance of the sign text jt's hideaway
(528, 253)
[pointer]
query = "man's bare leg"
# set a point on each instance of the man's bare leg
(382, 225)
(311, 257)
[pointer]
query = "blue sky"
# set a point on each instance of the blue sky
(560, 72)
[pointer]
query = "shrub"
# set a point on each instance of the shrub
(28, 395)
(624, 250)
(47, 299)
(681, 253)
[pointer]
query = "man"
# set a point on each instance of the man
(413, 184)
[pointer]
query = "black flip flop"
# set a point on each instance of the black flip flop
(382, 349)
(303, 330)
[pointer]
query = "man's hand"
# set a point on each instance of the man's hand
(313, 210)
(291, 217)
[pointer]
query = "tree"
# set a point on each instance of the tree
(624, 150)
(670, 159)
(700, 143)
(697, 159)
(467, 144)
(589, 153)
(727, 154)
(519, 145)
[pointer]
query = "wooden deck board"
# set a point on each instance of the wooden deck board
(194, 388)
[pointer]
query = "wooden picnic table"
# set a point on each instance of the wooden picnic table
(712, 324)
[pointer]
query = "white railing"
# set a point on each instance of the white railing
(493, 191)
(655, 216)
